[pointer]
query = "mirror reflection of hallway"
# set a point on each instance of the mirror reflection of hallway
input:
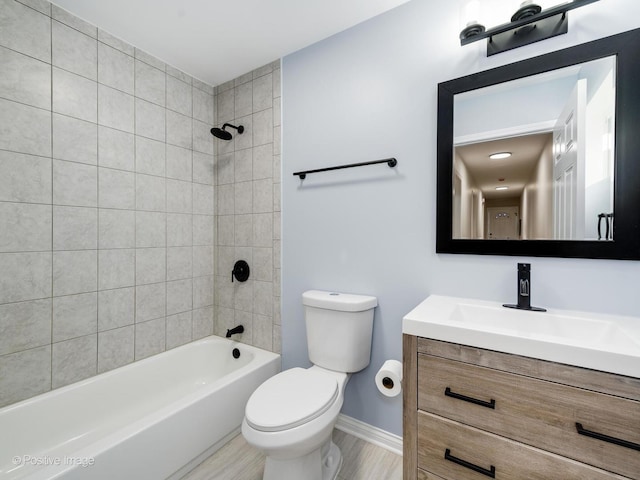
(560, 171)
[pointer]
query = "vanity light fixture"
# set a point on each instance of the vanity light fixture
(528, 24)
(499, 155)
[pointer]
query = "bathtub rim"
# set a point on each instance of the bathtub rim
(262, 358)
(149, 359)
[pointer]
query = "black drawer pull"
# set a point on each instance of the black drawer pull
(606, 438)
(489, 473)
(482, 403)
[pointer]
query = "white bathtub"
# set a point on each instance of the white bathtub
(152, 419)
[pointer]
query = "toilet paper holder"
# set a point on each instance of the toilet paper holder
(388, 380)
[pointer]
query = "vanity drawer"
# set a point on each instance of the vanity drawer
(455, 451)
(424, 475)
(536, 412)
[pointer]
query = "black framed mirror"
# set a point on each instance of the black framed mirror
(608, 228)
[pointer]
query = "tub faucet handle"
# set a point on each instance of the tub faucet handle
(240, 271)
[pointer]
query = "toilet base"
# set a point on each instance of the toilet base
(332, 462)
(321, 464)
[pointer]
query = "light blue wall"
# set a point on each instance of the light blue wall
(370, 93)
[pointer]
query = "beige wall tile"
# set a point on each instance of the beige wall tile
(25, 276)
(25, 325)
(133, 159)
(25, 374)
(74, 360)
(115, 348)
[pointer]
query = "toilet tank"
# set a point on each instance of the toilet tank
(339, 329)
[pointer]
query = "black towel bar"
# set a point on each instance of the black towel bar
(392, 162)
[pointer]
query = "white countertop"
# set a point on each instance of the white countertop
(601, 342)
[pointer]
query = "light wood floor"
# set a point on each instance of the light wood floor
(361, 461)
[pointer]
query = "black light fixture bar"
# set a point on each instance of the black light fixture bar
(504, 37)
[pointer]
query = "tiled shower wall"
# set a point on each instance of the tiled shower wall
(248, 206)
(106, 202)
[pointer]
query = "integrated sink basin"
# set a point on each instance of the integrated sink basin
(597, 341)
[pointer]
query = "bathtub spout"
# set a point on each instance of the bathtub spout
(233, 331)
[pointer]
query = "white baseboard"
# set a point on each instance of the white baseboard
(370, 434)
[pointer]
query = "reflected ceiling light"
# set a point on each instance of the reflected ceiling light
(499, 155)
(528, 24)
(502, 188)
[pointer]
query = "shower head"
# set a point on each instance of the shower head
(222, 133)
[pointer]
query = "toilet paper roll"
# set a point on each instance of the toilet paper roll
(389, 378)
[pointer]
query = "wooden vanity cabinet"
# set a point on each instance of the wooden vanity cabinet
(472, 414)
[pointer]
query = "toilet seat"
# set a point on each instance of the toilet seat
(290, 399)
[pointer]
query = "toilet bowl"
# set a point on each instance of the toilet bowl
(291, 416)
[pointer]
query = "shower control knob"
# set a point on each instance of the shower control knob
(240, 271)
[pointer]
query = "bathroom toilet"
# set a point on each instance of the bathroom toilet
(291, 416)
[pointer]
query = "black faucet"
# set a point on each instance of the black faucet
(234, 330)
(524, 290)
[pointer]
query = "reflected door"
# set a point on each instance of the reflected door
(457, 206)
(568, 166)
(502, 223)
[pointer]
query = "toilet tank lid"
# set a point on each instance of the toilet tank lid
(345, 302)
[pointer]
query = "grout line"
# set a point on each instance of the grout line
(166, 202)
(52, 193)
(135, 217)
(193, 293)
(97, 208)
